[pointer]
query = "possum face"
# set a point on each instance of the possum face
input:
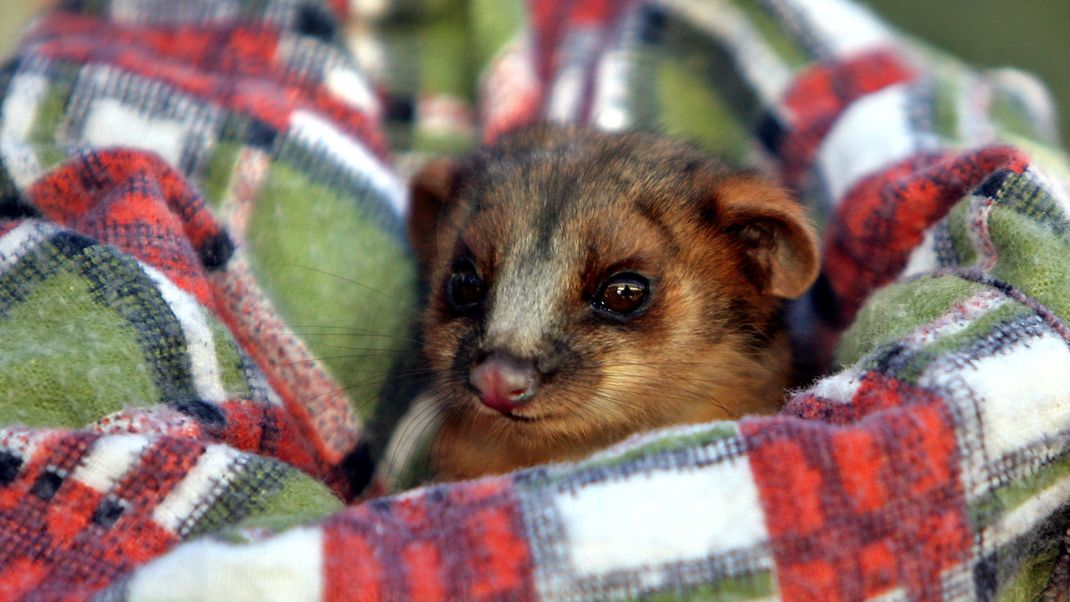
(585, 286)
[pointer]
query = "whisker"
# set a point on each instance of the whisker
(297, 329)
(331, 358)
(425, 412)
(367, 287)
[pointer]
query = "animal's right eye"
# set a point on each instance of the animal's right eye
(464, 288)
(623, 296)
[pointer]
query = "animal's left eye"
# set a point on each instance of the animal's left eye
(623, 295)
(464, 288)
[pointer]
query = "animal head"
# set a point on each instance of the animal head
(584, 286)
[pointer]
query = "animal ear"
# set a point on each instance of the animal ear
(778, 241)
(430, 192)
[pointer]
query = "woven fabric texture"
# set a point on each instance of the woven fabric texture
(204, 286)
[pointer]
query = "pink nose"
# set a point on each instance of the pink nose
(503, 383)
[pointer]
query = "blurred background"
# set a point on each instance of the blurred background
(989, 33)
(996, 33)
(13, 13)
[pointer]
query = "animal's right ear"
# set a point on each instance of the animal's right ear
(780, 247)
(429, 199)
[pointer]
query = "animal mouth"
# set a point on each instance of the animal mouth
(511, 415)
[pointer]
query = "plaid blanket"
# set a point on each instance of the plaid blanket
(204, 290)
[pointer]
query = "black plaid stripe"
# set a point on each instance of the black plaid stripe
(700, 578)
(116, 281)
(246, 130)
(10, 465)
(259, 389)
(26, 530)
(7, 73)
(685, 452)
(13, 204)
(1029, 467)
(798, 27)
(1049, 317)
(539, 487)
(715, 60)
(903, 361)
(1025, 195)
(252, 482)
(1001, 337)
(546, 529)
(161, 12)
(319, 167)
(150, 99)
(964, 406)
(944, 245)
(109, 511)
(309, 60)
(32, 269)
(643, 101)
(63, 458)
(1035, 549)
(316, 21)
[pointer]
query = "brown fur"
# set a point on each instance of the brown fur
(549, 213)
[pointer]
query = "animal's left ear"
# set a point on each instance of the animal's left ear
(430, 195)
(779, 243)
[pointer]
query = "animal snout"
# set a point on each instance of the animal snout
(504, 382)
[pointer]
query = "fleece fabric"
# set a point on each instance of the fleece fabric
(205, 294)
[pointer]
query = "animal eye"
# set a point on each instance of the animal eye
(464, 288)
(623, 295)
